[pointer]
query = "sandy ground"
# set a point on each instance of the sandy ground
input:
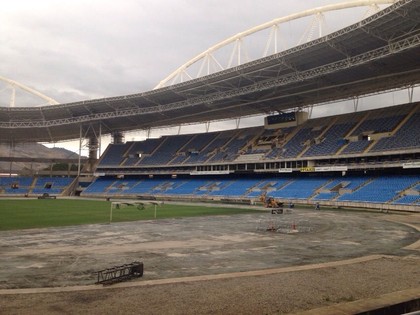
(283, 290)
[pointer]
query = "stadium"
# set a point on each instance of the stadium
(361, 169)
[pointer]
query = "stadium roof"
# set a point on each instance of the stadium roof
(376, 54)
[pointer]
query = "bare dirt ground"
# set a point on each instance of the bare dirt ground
(213, 265)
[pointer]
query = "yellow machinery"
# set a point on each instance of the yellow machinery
(270, 202)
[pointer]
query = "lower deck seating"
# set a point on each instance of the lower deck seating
(34, 186)
(381, 189)
(408, 200)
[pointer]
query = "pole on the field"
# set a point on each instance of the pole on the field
(155, 210)
(110, 214)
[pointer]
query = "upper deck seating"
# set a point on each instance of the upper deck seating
(356, 146)
(232, 148)
(193, 150)
(202, 156)
(139, 149)
(220, 145)
(331, 141)
(408, 136)
(166, 151)
(114, 154)
(327, 136)
(301, 139)
(278, 143)
(378, 125)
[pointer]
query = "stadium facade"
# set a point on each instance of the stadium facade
(362, 159)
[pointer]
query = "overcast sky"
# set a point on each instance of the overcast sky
(85, 49)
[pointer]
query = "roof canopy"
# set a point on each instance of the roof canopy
(375, 54)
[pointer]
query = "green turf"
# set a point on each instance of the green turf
(39, 213)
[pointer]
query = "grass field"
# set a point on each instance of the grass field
(34, 213)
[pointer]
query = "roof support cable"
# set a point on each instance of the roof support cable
(356, 103)
(410, 93)
(310, 109)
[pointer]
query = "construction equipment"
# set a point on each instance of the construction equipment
(270, 202)
(120, 273)
(47, 196)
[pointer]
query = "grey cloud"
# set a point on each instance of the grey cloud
(88, 49)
